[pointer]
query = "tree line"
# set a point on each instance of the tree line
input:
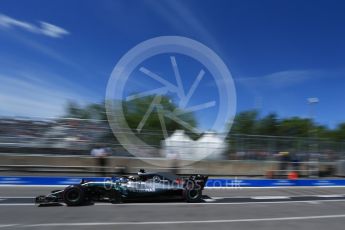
(251, 123)
(246, 122)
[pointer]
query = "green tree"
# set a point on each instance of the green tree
(90, 111)
(152, 130)
(295, 126)
(322, 131)
(339, 132)
(134, 112)
(268, 125)
(245, 122)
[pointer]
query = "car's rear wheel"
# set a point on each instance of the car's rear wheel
(192, 192)
(74, 195)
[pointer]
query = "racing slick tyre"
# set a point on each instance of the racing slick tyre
(192, 192)
(74, 195)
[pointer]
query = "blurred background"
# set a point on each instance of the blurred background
(286, 58)
(258, 146)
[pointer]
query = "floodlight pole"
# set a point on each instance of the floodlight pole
(311, 102)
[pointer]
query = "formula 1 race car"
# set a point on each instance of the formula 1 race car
(145, 186)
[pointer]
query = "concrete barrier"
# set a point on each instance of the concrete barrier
(87, 165)
(132, 165)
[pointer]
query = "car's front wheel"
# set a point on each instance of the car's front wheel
(74, 195)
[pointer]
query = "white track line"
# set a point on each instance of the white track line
(294, 218)
(18, 204)
(232, 203)
(330, 196)
(34, 186)
(213, 199)
(270, 197)
(224, 197)
(191, 204)
(17, 197)
(208, 201)
(7, 225)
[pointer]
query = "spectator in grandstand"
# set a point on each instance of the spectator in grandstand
(284, 160)
(295, 162)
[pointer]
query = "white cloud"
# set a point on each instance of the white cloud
(44, 28)
(44, 96)
(180, 17)
(52, 30)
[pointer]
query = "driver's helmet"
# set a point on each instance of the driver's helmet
(141, 171)
(141, 175)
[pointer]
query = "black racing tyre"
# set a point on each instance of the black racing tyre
(192, 192)
(74, 195)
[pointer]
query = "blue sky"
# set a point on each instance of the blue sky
(279, 52)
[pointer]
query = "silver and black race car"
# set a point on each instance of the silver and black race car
(145, 186)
